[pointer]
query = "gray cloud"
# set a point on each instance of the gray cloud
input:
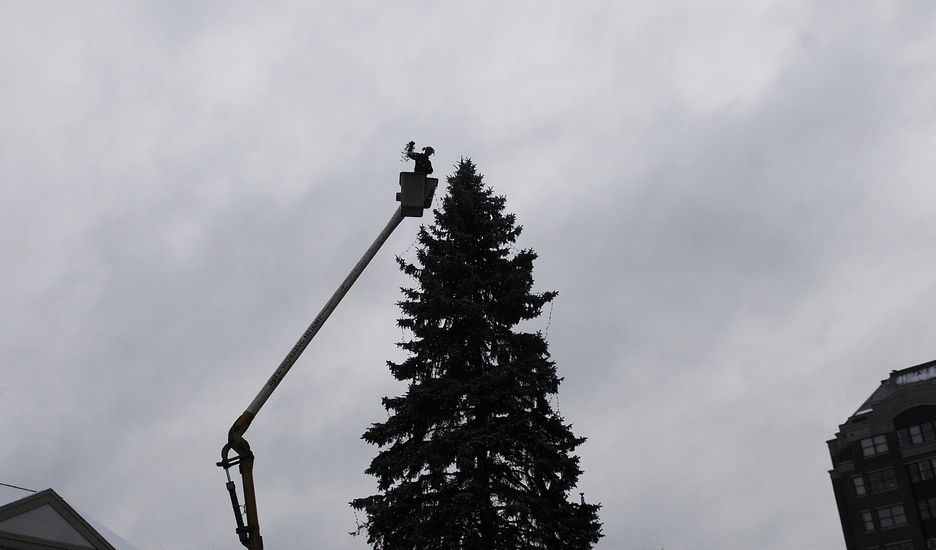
(733, 201)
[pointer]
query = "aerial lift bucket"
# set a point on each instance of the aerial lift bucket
(416, 191)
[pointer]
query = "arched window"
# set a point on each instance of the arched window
(916, 425)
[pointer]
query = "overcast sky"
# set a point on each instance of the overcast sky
(733, 201)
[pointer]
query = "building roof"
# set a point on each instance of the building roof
(42, 519)
(899, 380)
(10, 493)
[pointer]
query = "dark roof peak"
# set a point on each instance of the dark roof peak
(898, 380)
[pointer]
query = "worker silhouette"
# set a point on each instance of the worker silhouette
(422, 159)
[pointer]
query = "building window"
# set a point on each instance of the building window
(905, 545)
(916, 434)
(920, 471)
(868, 521)
(874, 445)
(882, 481)
(891, 516)
(927, 508)
(859, 485)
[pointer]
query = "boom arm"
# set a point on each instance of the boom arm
(416, 195)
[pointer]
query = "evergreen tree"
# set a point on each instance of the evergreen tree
(473, 455)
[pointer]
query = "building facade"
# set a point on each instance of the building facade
(884, 465)
(42, 520)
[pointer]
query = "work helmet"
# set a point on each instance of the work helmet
(429, 150)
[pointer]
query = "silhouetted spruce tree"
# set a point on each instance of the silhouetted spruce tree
(473, 455)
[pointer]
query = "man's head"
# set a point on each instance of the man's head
(428, 150)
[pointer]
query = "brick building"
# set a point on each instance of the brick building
(884, 465)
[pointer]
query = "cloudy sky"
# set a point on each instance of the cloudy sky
(733, 201)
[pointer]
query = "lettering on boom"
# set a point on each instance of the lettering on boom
(294, 353)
